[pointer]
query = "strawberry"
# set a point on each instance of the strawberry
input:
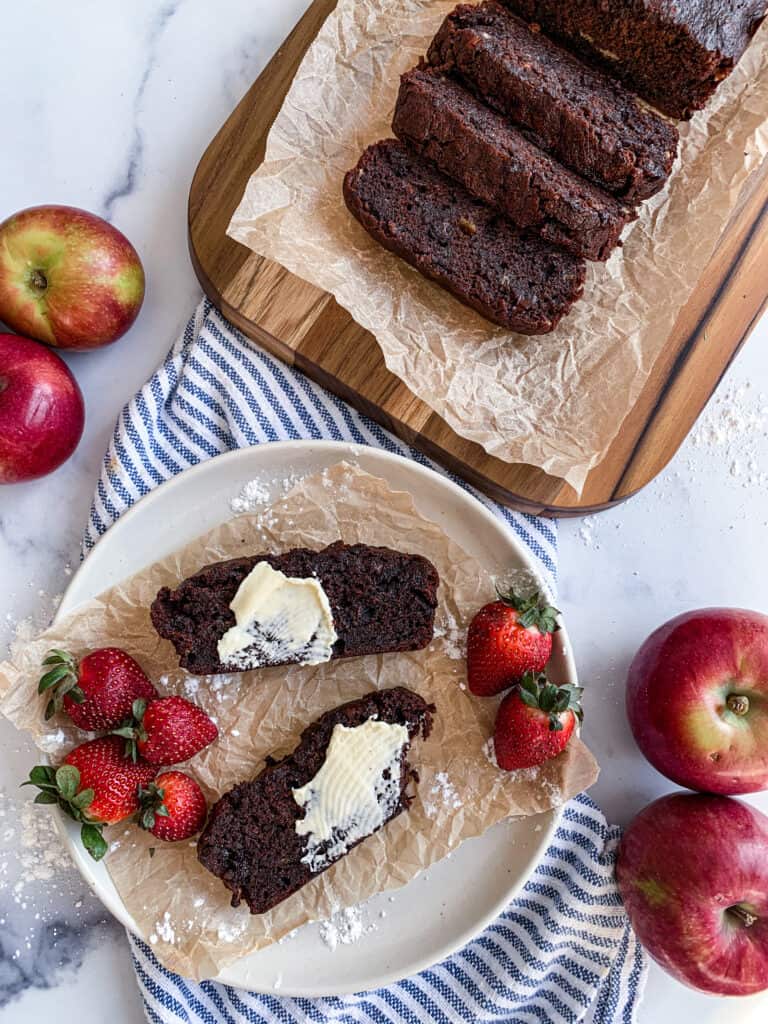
(506, 639)
(98, 692)
(535, 722)
(172, 807)
(167, 731)
(97, 785)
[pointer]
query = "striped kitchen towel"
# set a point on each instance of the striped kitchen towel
(563, 949)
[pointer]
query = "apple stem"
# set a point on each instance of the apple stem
(738, 703)
(746, 917)
(38, 281)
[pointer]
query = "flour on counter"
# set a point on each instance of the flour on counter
(734, 424)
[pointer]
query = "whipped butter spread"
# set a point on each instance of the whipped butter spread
(278, 619)
(354, 793)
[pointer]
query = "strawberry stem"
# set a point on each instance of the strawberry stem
(532, 610)
(151, 805)
(60, 786)
(132, 729)
(59, 681)
(538, 692)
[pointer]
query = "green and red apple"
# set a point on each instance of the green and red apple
(67, 277)
(697, 700)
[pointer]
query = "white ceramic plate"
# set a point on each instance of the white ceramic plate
(445, 907)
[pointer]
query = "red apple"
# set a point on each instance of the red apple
(68, 277)
(693, 874)
(697, 700)
(41, 410)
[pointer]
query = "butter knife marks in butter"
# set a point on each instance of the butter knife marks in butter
(278, 619)
(357, 790)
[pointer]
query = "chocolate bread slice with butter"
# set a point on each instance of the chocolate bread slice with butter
(299, 607)
(347, 778)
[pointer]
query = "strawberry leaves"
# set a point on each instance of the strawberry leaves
(150, 806)
(60, 786)
(536, 691)
(60, 680)
(132, 729)
(532, 610)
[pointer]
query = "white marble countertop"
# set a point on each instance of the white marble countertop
(109, 106)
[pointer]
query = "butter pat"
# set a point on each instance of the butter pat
(354, 793)
(278, 619)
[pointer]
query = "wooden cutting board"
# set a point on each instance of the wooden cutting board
(305, 327)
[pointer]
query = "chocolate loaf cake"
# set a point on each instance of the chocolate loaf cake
(589, 122)
(253, 840)
(673, 54)
(380, 600)
(412, 209)
(482, 150)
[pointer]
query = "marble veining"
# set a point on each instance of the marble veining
(126, 183)
(110, 109)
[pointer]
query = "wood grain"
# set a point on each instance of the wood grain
(305, 327)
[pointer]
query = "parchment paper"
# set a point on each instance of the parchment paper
(557, 401)
(179, 907)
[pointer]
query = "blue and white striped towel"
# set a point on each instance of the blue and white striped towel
(564, 945)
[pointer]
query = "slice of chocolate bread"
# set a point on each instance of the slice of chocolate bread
(255, 841)
(673, 54)
(588, 121)
(380, 600)
(482, 150)
(412, 209)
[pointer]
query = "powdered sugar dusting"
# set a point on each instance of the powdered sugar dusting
(252, 495)
(442, 793)
(344, 928)
(230, 931)
(165, 929)
(451, 636)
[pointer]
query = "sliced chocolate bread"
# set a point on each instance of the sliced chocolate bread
(299, 607)
(673, 54)
(591, 123)
(347, 778)
(481, 149)
(514, 279)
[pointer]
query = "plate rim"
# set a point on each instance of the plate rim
(114, 904)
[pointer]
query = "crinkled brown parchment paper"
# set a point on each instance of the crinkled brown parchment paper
(558, 401)
(180, 908)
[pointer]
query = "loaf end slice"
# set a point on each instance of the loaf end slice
(674, 55)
